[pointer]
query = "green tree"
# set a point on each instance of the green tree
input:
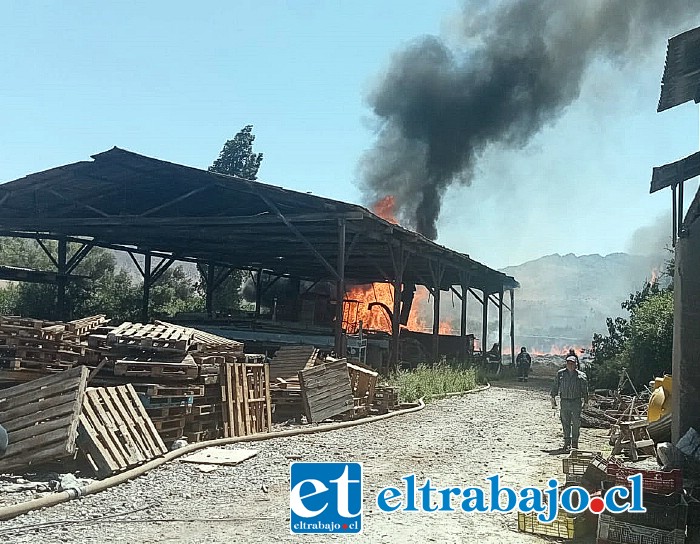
(102, 289)
(642, 344)
(237, 157)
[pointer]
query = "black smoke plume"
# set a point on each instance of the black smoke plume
(522, 63)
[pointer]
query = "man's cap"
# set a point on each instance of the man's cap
(571, 359)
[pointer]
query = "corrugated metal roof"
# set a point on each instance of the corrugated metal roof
(681, 79)
(128, 199)
(675, 172)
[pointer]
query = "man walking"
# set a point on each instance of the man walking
(572, 387)
(523, 362)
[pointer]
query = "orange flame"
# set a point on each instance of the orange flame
(359, 297)
(385, 208)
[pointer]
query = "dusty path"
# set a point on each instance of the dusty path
(457, 441)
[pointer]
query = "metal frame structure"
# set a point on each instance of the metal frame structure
(161, 210)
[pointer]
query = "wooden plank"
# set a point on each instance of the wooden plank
(61, 407)
(143, 421)
(219, 456)
(92, 446)
(47, 452)
(326, 390)
(38, 442)
(105, 427)
(268, 401)
(147, 432)
(21, 411)
(124, 426)
(49, 385)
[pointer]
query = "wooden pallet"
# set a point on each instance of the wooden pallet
(153, 336)
(169, 423)
(206, 342)
(80, 327)
(169, 411)
(115, 430)
(171, 435)
(289, 360)
(41, 417)
(326, 390)
(45, 367)
(156, 390)
(363, 383)
(245, 392)
(134, 367)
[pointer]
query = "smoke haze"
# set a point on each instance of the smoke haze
(520, 65)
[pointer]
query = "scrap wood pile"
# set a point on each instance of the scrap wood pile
(303, 384)
(672, 510)
(178, 374)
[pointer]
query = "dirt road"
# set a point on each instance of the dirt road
(457, 441)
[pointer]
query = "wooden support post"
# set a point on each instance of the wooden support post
(399, 259)
(340, 290)
(146, 287)
(512, 327)
(436, 271)
(484, 322)
(500, 327)
(395, 323)
(62, 280)
(675, 214)
(463, 315)
(679, 228)
(258, 292)
(211, 272)
(436, 322)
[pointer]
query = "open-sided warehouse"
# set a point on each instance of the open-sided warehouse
(169, 212)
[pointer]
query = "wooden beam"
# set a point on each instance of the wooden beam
(146, 287)
(175, 200)
(512, 327)
(340, 291)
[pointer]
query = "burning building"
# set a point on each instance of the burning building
(319, 267)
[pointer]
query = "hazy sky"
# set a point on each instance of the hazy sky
(174, 80)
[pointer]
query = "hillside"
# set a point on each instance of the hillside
(564, 299)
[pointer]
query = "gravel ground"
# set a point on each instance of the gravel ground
(456, 441)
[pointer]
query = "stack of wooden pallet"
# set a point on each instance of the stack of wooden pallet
(363, 382)
(136, 351)
(285, 389)
(386, 398)
(34, 347)
(212, 411)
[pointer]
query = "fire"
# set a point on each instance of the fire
(358, 298)
(654, 276)
(385, 208)
(356, 307)
(357, 303)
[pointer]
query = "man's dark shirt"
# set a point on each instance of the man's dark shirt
(570, 385)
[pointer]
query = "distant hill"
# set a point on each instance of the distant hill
(564, 299)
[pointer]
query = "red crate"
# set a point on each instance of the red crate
(654, 481)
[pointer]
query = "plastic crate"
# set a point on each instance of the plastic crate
(653, 481)
(620, 532)
(596, 472)
(666, 512)
(563, 526)
(577, 462)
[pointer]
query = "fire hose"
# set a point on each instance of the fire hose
(9, 512)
